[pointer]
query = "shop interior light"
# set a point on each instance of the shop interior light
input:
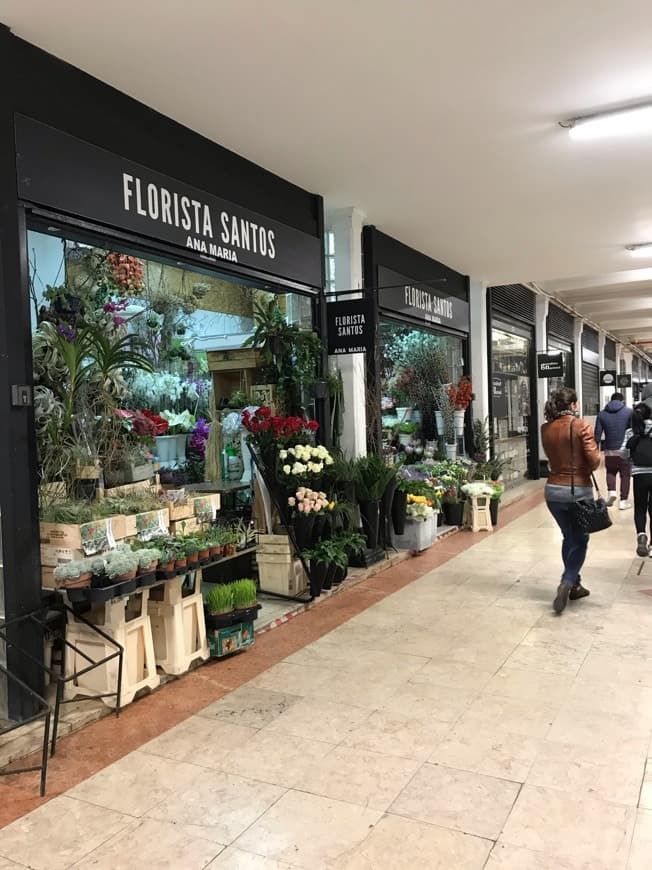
(629, 121)
(644, 250)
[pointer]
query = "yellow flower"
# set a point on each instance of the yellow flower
(331, 506)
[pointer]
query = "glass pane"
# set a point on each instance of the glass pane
(511, 391)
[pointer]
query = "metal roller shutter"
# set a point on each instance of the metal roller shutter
(590, 390)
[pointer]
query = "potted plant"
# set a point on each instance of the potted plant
(219, 605)
(498, 489)
(372, 478)
(244, 600)
(352, 543)
(121, 565)
(204, 548)
(75, 574)
(304, 506)
(406, 432)
(319, 558)
(446, 409)
(231, 538)
(460, 396)
(178, 549)
(216, 542)
(191, 548)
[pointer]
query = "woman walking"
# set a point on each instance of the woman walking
(572, 455)
(639, 443)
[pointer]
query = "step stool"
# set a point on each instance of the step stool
(176, 613)
(478, 515)
(126, 621)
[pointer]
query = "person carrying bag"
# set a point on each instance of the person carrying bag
(573, 456)
(638, 442)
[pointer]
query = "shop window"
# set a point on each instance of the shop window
(413, 362)
(511, 401)
(590, 390)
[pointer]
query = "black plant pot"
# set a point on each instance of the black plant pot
(340, 574)
(454, 513)
(303, 529)
(318, 528)
(317, 576)
(386, 514)
(440, 519)
(493, 510)
(399, 511)
(329, 576)
(370, 515)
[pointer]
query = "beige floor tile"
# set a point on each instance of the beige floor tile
(397, 843)
(200, 740)
(323, 720)
(276, 757)
(136, 783)
(538, 685)
(487, 751)
(293, 679)
(233, 858)
(514, 715)
(59, 833)
(485, 653)
(250, 706)
(428, 701)
(5, 864)
(552, 656)
(398, 732)
(613, 775)
(453, 674)
(506, 857)
(147, 843)
(632, 670)
(309, 831)
(457, 799)
(589, 830)
(368, 694)
(640, 856)
(219, 806)
(645, 801)
(576, 724)
(368, 779)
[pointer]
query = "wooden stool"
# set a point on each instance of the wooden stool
(176, 613)
(478, 515)
(127, 622)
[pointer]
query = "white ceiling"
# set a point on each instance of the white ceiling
(438, 118)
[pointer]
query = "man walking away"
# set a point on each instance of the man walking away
(614, 421)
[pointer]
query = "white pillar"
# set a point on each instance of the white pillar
(578, 329)
(627, 355)
(479, 340)
(346, 225)
(541, 344)
(605, 392)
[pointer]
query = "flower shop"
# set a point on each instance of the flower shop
(156, 285)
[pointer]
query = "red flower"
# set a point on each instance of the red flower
(161, 425)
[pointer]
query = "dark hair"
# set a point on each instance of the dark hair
(640, 414)
(617, 397)
(559, 403)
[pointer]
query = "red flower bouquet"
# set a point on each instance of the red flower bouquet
(268, 432)
(160, 424)
(461, 393)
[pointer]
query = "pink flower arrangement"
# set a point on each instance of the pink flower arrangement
(307, 501)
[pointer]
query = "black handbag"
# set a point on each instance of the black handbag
(591, 514)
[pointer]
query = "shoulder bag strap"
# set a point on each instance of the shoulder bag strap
(572, 462)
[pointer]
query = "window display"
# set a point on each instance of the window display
(511, 400)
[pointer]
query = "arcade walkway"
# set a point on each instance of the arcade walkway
(455, 724)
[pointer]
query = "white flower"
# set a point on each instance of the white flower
(328, 460)
(318, 467)
(283, 454)
(287, 469)
(292, 501)
(298, 468)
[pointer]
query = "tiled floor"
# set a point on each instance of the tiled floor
(457, 724)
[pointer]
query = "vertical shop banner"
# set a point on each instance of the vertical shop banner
(550, 365)
(499, 396)
(350, 327)
(64, 173)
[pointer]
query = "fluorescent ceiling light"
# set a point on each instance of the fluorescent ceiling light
(619, 122)
(644, 250)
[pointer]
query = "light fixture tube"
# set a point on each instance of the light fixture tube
(644, 250)
(619, 122)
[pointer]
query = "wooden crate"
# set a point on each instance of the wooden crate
(274, 545)
(234, 360)
(185, 527)
(93, 537)
(53, 556)
(148, 523)
(281, 573)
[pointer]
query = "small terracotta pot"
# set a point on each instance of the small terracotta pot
(192, 557)
(229, 549)
(80, 582)
(181, 563)
(204, 554)
(217, 551)
(169, 566)
(151, 567)
(128, 575)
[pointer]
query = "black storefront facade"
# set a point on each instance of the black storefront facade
(83, 160)
(590, 372)
(411, 297)
(560, 339)
(511, 312)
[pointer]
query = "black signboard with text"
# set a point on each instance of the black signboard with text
(72, 176)
(500, 406)
(608, 378)
(418, 300)
(350, 327)
(550, 365)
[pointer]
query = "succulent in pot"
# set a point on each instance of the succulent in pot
(121, 565)
(76, 574)
(191, 549)
(219, 599)
(148, 559)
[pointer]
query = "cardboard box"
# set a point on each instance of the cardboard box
(53, 556)
(148, 525)
(47, 578)
(224, 641)
(185, 527)
(281, 574)
(234, 360)
(92, 538)
(204, 505)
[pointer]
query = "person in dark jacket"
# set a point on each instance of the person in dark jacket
(613, 422)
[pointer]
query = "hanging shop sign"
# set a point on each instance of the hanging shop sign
(72, 176)
(550, 365)
(350, 327)
(625, 381)
(429, 303)
(499, 395)
(608, 378)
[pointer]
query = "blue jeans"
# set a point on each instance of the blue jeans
(575, 543)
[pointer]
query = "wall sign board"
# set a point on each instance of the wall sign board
(608, 378)
(350, 327)
(418, 300)
(70, 175)
(624, 381)
(550, 365)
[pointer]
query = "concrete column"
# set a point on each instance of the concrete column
(578, 329)
(541, 344)
(346, 225)
(479, 341)
(627, 355)
(605, 392)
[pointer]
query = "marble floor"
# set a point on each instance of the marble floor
(457, 724)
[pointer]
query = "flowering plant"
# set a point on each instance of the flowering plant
(302, 460)
(478, 487)
(268, 432)
(398, 384)
(498, 488)
(419, 510)
(160, 424)
(308, 502)
(460, 394)
(179, 424)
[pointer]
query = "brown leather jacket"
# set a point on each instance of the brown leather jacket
(557, 445)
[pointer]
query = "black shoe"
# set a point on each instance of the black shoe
(642, 548)
(561, 599)
(578, 591)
